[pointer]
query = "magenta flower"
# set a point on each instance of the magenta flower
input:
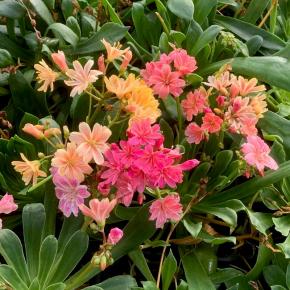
(165, 209)
(71, 194)
(115, 235)
(256, 153)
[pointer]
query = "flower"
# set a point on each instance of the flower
(98, 210)
(59, 59)
(142, 104)
(165, 209)
(34, 130)
(211, 122)
(101, 64)
(126, 60)
(28, 169)
(7, 204)
(241, 86)
(142, 133)
(220, 82)
(70, 194)
(46, 75)
(70, 163)
(259, 105)
(256, 153)
(194, 103)
(194, 133)
(114, 51)
(81, 77)
(91, 143)
(121, 87)
(165, 82)
(183, 62)
(115, 235)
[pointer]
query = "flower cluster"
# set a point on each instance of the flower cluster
(166, 76)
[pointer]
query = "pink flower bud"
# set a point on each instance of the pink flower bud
(59, 60)
(220, 100)
(7, 204)
(101, 64)
(115, 236)
(34, 130)
(126, 60)
(52, 132)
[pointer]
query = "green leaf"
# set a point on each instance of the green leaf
(133, 237)
(11, 277)
(205, 38)
(112, 32)
(73, 24)
(196, 276)
(42, 11)
(222, 161)
(181, 8)
(149, 285)
(167, 132)
(274, 275)
(203, 9)
(24, 97)
(246, 31)
(124, 282)
(65, 32)
(67, 8)
(282, 224)
(47, 256)
(288, 276)
(56, 286)
(261, 221)
(140, 262)
(33, 218)
(193, 228)
(254, 44)
(168, 270)
(285, 247)
(12, 252)
(34, 285)
(5, 58)
(255, 10)
(11, 9)
(70, 256)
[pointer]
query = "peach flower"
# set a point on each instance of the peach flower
(34, 130)
(59, 59)
(114, 51)
(46, 75)
(91, 143)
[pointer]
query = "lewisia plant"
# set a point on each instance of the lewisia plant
(94, 174)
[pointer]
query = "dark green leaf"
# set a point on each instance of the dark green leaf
(42, 11)
(65, 32)
(9, 275)
(124, 282)
(168, 270)
(11, 9)
(181, 8)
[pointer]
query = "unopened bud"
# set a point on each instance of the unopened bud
(65, 131)
(103, 263)
(40, 155)
(111, 261)
(96, 260)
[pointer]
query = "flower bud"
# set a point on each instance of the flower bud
(52, 132)
(96, 260)
(115, 236)
(59, 59)
(126, 60)
(103, 263)
(65, 131)
(34, 130)
(101, 64)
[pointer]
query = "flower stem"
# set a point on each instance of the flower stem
(180, 117)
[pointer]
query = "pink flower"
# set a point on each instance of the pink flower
(59, 59)
(194, 133)
(101, 64)
(142, 133)
(99, 210)
(194, 103)
(165, 209)
(126, 60)
(220, 82)
(211, 122)
(7, 204)
(70, 163)
(70, 193)
(241, 86)
(183, 62)
(256, 153)
(165, 82)
(91, 144)
(81, 77)
(115, 235)
(125, 189)
(34, 130)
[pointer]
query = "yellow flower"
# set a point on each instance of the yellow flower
(28, 169)
(121, 87)
(142, 104)
(46, 75)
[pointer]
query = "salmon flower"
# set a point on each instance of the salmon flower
(259, 105)
(256, 153)
(98, 210)
(59, 59)
(46, 75)
(126, 60)
(81, 77)
(114, 51)
(34, 130)
(70, 163)
(28, 169)
(91, 143)
(7, 205)
(194, 133)
(166, 209)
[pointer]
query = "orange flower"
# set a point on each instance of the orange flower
(142, 104)
(28, 169)
(259, 105)
(114, 51)
(121, 87)
(70, 163)
(46, 75)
